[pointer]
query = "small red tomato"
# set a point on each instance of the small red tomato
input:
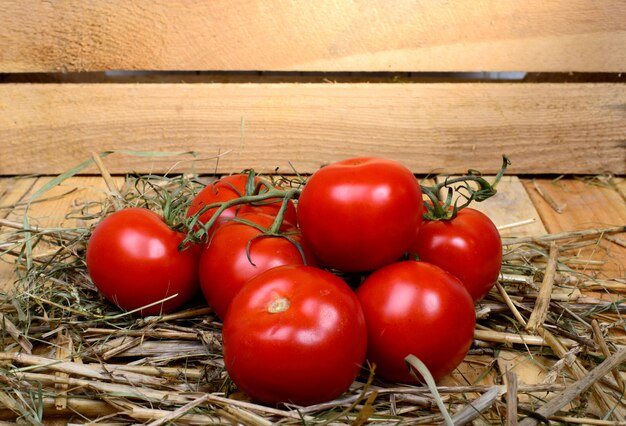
(360, 214)
(229, 188)
(416, 308)
(294, 334)
(239, 251)
(133, 259)
(468, 246)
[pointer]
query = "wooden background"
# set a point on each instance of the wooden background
(304, 83)
(325, 35)
(50, 120)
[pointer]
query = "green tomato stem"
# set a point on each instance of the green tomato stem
(222, 206)
(449, 210)
(292, 193)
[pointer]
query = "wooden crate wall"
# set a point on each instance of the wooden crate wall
(276, 84)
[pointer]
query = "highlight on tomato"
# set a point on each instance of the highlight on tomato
(232, 187)
(416, 308)
(242, 249)
(360, 214)
(133, 258)
(294, 334)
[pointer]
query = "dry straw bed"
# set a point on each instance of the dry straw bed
(66, 353)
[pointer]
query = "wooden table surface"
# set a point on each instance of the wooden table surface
(520, 209)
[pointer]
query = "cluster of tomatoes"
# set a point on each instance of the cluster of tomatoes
(293, 330)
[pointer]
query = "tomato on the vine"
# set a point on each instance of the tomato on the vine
(239, 251)
(133, 258)
(294, 334)
(229, 188)
(416, 308)
(360, 214)
(468, 246)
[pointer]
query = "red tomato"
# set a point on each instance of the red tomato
(467, 246)
(133, 259)
(416, 308)
(238, 252)
(229, 188)
(294, 334)
(360, 214)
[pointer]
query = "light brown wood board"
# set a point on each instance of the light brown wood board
(531, 369)
(13, 192)
(327, 35)
(50, 210)
(585, 204)
(439, 127)
(511, 209)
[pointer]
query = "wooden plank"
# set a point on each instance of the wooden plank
(442, 127)
(534, 370)
(511, 210)
(474, 370)
(326, 35)
(53, 207)
(49, 211)
(584, 205)
(620, 186)
(12, 192)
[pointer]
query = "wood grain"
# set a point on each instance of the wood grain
(510, 209)
(530, 370)
(326, 35)
(12, 192)
(587, 204)
(439, 127)
(49, 211)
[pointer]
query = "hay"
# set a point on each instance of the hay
(65, 352)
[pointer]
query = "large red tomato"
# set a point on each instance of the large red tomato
(133, 259)
(468, 246)
(229, 188)
(360, 214)
(416, 308)
(238, 252)
(294, 334)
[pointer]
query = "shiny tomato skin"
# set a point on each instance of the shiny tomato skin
(416, 308)
(229, 188)
(225, 266)
(360, 214)
(468, 246)
(133, 260)
(308, 353)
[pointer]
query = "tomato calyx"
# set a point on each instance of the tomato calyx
(167, 197)
(469, 188)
